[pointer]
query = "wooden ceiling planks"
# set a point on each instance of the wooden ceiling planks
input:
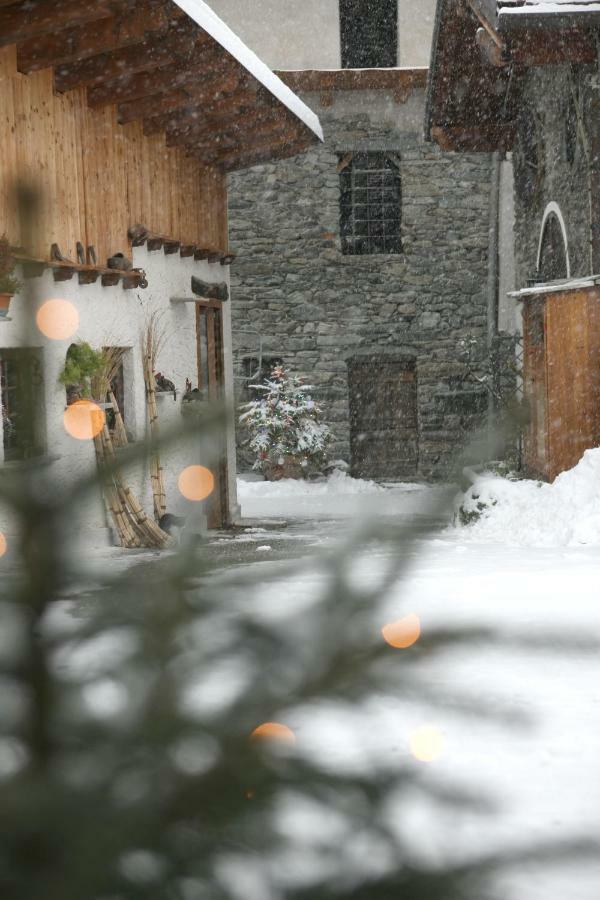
(32, 18)
(156, 49)
(74, 43)
(150, 60)
(202, 94)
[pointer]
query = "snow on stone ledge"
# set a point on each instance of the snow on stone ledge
(565, 513)
(203, 16)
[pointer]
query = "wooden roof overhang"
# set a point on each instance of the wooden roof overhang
(171, 64)
(400, 83)
(479, 57)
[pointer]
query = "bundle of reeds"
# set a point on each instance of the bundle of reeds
(133, 526)
(153, 338)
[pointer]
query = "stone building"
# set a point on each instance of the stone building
(386, 293)
(524, 78)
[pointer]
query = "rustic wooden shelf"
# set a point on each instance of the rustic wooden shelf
(34, 267)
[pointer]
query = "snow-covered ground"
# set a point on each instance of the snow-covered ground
(524, 571)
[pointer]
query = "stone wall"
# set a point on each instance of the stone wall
(316, 308)
(547, 97)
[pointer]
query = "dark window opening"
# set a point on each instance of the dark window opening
(371, 205)
(571, 135)
(22, 404)
(529, 155)
(369, 34)
(553, 256)
(255, 371)
(117, 389)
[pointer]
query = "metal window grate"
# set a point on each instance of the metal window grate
(371, 205)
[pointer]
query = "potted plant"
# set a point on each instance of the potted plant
(286, 433)
(82, 363)
(9, 285)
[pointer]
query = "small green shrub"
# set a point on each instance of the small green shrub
(8, 283)
(81, 365)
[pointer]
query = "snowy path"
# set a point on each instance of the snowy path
(542, 774)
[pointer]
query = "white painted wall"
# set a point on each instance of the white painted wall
(287, 34)
(509, 311)
(115, 317)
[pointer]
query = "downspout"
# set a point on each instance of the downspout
(493, 281)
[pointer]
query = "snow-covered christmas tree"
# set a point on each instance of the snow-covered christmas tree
(286, 433)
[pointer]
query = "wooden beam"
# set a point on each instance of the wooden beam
(256, 157)
(213, 291)
(552, 48)
(153, 52)
(213, 152)
(480, 139)
(74, 44)
(285, 137)
(235, 127)
(540, 47)
(396, 81)
(177, 119)
(201, 93)
(33, 18)
(204, 65)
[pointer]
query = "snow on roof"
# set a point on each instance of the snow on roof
(510, 8)
(552, 287)
(203, 15)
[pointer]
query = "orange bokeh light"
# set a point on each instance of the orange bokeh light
(274, 731)
(2, 544)
(403, 633)
(84, 420)
(57, 319)
(426, 743)
(196, 483)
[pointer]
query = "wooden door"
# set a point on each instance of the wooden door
(535, 384)
(383, 418)
(209, 342)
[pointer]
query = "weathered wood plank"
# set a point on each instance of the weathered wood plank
(227, 125)
(203, 65)
(109, 33)
(36, 17)
(95, 173)
(482, 139)
(223, 107)
(193, 92)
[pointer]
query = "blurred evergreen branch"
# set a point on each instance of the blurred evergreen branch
(126, 769)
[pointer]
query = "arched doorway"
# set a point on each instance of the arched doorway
(553, 250)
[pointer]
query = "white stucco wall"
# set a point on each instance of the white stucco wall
(509, 311)
(291, 35)
(115, 317)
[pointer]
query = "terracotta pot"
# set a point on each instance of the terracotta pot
(290, 468)
(4, 304)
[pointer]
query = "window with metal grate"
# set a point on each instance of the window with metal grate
(370, 204)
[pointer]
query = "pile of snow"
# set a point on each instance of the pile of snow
(565, 513)
(337, 483)
(337, 497)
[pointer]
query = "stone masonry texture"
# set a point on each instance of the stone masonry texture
(547, 95)
(316, 308)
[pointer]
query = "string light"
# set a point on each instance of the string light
(57, 319)
(426, 743)
(403, 633)
(84, 420)
(196, 483)
(274, 731)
